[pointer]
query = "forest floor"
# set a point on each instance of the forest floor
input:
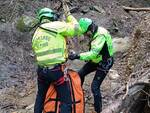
(18, 70)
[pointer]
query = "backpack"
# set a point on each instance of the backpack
(52, 101)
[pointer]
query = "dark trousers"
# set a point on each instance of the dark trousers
(45, 78)
(101, 69)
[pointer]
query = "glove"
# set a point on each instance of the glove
(73, 56)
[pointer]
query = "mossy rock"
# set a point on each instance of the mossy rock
(26, 23)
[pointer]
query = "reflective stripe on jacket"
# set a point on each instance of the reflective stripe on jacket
(49, 44)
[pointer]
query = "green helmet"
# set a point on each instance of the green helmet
(84, 24)
(45, 12)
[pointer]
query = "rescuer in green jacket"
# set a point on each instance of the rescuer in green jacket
(49, 46)
(99, 57)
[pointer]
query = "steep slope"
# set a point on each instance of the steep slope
(17, 68)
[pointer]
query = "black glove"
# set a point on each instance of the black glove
(73, 56)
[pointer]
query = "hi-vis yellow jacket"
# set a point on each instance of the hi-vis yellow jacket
(49, 44)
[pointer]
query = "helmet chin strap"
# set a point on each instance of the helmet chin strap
(93, 29)
(55, 18)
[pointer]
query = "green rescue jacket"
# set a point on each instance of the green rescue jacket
(49, 44)
(101, 47)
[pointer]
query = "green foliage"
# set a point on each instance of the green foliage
(21, 25)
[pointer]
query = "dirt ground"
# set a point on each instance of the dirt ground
(17, 65)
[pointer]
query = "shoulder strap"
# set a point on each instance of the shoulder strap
(73, 96)
(47, 29)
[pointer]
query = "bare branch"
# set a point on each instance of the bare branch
(136, 9)
(145, 92)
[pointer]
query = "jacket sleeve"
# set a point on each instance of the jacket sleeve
(96, 47)
(72, 27)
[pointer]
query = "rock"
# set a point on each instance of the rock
(74, 9)
(84, 9)
(26, 23)
(112, 107)
(113, 74)
(2, 20)
(22, 94)
(114, 85)
(32, 54)
(121, 44)
(98, 9)
(30, 107)
(1, 46)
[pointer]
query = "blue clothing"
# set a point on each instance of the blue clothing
(101, 69)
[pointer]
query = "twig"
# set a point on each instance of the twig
(148, 102)
(127, 87)
(11, 2)
(13, 10)
(8, 106)
(140, 83)
(145, 73)
(140, 79)
(145, 92)
(127, 90)
(136, 9)
(119, 91)
(137, 72)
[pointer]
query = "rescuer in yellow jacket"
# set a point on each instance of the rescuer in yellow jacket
(49, 46)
